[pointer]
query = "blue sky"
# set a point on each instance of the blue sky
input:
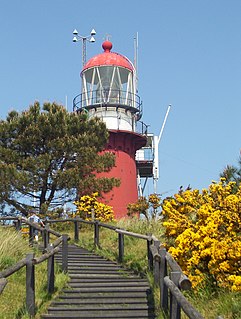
(189, 56)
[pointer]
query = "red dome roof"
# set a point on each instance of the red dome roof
(108, 58)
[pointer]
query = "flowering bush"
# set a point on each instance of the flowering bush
(145, 206)
(204, 233)
(88, 207)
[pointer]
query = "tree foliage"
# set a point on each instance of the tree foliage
(232, 173)
(48, 155)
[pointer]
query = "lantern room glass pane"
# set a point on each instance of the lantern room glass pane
(108, 85)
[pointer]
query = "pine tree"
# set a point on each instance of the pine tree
(233, 174)
(48, 156)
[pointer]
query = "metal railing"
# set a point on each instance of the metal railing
(111, 97)
(142, 128)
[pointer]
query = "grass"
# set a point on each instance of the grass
(13, 247)
(213, 303)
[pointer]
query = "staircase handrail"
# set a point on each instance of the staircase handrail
(167, 273)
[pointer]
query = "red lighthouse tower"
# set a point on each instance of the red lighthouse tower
(109, 92)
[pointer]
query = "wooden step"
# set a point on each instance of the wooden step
(120, 284)
(99, 288)
(103, 275)
(103, 315)
(108, 289)
(106, 279)
(99, 300)
(98, 307)
(76, 293)
(140, 314)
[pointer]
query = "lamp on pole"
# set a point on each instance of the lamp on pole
(89, 38)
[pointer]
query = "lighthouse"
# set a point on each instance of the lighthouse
(108, 91)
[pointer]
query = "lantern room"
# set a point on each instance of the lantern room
(109, 90)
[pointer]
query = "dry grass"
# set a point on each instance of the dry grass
(12, 247)
(141, 226)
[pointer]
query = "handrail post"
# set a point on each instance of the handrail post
(46, 235)
(3, 282)
(96, 234)
(121, 247)
(50, 274)
(30, 235)
(65, 253)
(30, 285)
(163, 287)
(149, 254)
(18, 224)
(157, 265)
(175, 309)
(76, 230)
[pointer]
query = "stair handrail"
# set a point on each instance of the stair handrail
(30, 261)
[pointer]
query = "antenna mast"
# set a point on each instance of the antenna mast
(136, 59)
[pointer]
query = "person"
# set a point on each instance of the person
(64, 215)
(35, 219)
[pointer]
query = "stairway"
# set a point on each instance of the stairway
(99, 288)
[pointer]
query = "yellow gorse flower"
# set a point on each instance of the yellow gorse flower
(204, 233)
(88, 207)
